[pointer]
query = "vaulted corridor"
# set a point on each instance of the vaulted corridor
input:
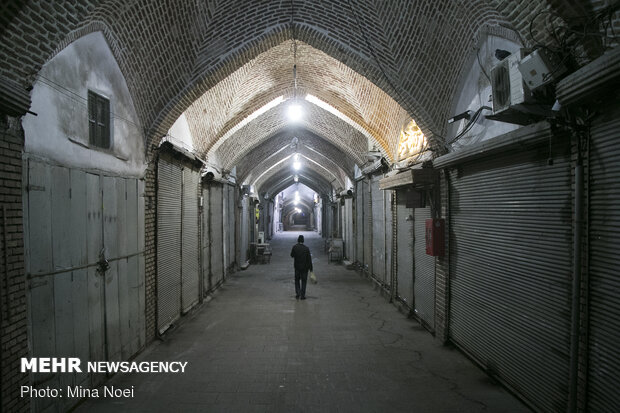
(255, 348)
(454, 165)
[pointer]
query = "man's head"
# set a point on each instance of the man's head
(300, 239)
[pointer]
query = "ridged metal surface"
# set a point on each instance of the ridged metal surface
(169, 196)
(231, 224)
(602, 75)
(510, 269)
(404, 250)
(348, 229)
(378, 230)
(367, 226)
(225, 232)
(424, 280)
(190, 233)
(604, 300)
(217, 234)
(387, 253)
(359, 221)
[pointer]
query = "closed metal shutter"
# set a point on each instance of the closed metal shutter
(190, 253)
(169, 197)
(225, 231)
(359, 222)
(389, 230)
(217, 232)
(378, 230)
(367, 226)
(424, 284)
(206, 239)
(349, 242)
(510, 269)
(404, 249)
(231, 225)
(604, 298)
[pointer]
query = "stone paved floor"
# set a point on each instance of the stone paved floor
(255, 348)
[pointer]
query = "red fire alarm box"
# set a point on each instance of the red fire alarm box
(435, 237)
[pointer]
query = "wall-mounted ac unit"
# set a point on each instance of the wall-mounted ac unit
(507, 84)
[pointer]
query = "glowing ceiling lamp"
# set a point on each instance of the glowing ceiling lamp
(294, 112)
(296, 178)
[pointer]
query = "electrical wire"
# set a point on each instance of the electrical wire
(77, 97)
(471, 123)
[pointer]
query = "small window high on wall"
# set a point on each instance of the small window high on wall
(98, 120)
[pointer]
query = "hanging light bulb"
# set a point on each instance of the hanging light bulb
(296, 178)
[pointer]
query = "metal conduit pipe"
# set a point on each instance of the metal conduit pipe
(574, 339)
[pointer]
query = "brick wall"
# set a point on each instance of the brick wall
(13, 328)
(150, 243)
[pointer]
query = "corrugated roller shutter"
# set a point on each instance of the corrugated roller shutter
(510, 269)
(604, 299)
(231, 224)
(206, 239)
(378, 230)
(225, 231)
(217, 251)
(190, 253)
(387, 222)
(424, 284)
(404, 249)
(350, 242)
(169, 196)
(359, 222)
(367, 226)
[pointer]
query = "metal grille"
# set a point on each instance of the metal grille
(378, 230)
(604, 296)
(359, 222)
(404, 249)
(169, 196)
(190, 253)
(510, 269)
(424, 284)
(217, 232)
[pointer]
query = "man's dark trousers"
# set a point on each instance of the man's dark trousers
(301, 277)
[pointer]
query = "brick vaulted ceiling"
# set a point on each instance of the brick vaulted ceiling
(219, 61)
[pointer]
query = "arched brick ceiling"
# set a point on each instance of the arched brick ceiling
(284, 178)
(172, 52)
(275, 121)
(270, 75)
(328, 174)
(278, 147)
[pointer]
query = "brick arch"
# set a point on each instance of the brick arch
(320, 122)
(167, 55)
(309, 167)
(279, 146)
(280, 182)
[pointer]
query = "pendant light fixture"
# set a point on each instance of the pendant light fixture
(294, 109)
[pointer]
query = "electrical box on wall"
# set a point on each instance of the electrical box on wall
(435, 237)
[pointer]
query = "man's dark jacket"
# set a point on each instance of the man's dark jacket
(303, 261)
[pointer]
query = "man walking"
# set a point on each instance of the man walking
(303, 264)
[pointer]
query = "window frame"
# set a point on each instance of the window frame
(100, 121)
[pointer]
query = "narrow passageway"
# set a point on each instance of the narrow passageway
(254, 347)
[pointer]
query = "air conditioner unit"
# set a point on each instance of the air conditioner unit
(507, 84)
